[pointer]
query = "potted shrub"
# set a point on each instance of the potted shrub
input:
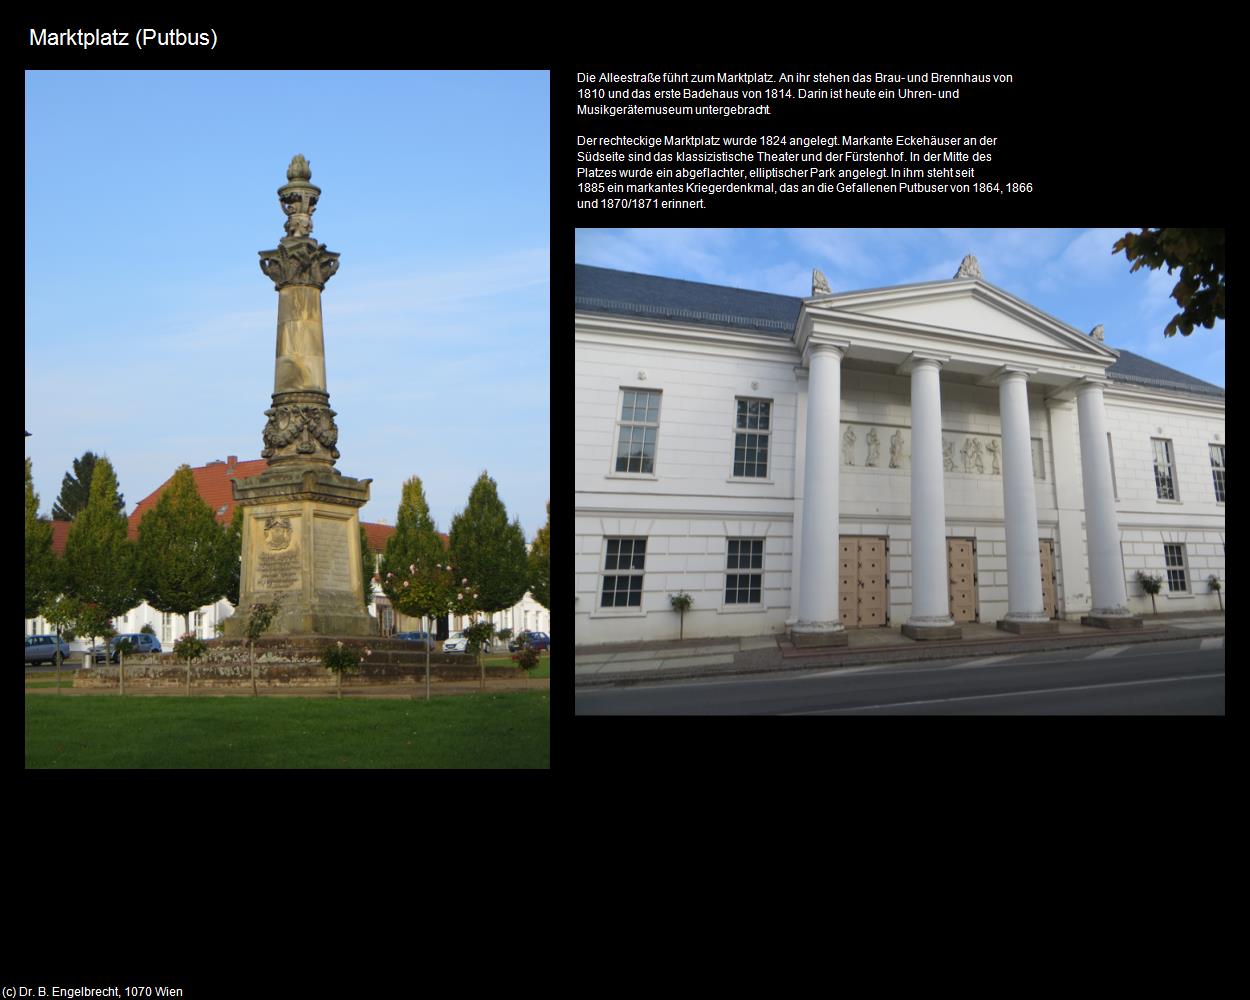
(681, 602)
(1151, 585)
(1213, 582)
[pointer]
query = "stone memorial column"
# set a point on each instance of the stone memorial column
(1026, 611)
(930, 576)
(1102, 530)
(301, 534)
(819, 618)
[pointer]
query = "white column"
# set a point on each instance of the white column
(930, 577)
(1102, 530)
(1024, 578)
(818, 581)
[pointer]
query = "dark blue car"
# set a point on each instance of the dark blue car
(538, 640)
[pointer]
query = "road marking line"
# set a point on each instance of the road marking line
(1009, 694)
(985, 661)
(1213, 642)
(1107, 651)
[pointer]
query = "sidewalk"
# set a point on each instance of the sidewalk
(701, 658)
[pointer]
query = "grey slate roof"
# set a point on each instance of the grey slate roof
(626, 293)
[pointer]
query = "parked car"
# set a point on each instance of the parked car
(42, 649)
(457, 643)
(79, 646)
(140, 642)
(538, 640)
(425, 640)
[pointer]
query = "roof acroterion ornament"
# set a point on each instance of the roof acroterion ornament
(1096, 333)
(820, 284)
(969, 268)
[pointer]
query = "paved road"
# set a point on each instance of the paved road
(1182, 677)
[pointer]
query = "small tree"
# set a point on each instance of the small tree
(1213, 582)
(681, 602)
(489, 550)
(1151, 585)
(477, 635)
(341, 660)
(61, 613)
(430, 588)
(193, 648)
(258, 620)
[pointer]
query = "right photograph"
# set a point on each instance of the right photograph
(840, 447)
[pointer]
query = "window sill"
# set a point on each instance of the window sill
(611, 613)
(739, 609)
(631, 475)
(1162, 500)
(1180, 595)
(749, 479)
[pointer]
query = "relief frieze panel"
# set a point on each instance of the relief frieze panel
(881, 446)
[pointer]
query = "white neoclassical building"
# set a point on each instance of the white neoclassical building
(924, 455)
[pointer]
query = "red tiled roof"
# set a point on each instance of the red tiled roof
(377, 534)
(213, 482)
(60, 532)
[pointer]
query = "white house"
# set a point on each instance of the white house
(924, 455)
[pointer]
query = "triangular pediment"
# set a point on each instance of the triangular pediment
(970, 309)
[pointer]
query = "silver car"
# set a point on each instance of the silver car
(457, 643)
(42, 649)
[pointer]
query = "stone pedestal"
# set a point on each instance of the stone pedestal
(301, 546)
(828, 637)
(1022, 627)
(1118, 622)
(924, 633)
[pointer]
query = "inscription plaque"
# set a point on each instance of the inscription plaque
(277, 570)
(331, 560)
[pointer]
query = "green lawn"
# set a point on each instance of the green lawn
(499, 730)
(66, 682)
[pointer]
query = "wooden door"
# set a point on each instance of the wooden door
(861, 582)
(1048, 577)
(962, 567)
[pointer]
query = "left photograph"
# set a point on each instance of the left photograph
(287, 418)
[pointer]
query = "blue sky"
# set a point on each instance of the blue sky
(150, 328)
(1069, 273)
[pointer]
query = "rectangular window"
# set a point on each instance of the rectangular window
(1165, 478)
(741, 585)
(638, 426)
(1115, 489)
(1174, 559)
(751, 433)
(166, 628)
(623, 566)
(1217, 470)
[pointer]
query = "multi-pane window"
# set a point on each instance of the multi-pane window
(639, 424)
(1174, 560)
(1217, 470)
(1165, 476)
(742, 586)
(623, 566)
(751, 432)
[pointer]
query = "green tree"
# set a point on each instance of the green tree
(76, 490)
(367, 567)
(1199, 253)
(488, 550)
(41, 565)
(414, 542)
(235, 535)
(61, 612)
(540, 564)
(185, 557)
(431, 589)
(99, 558)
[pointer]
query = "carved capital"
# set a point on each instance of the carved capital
(299, 261)
(300, 431)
